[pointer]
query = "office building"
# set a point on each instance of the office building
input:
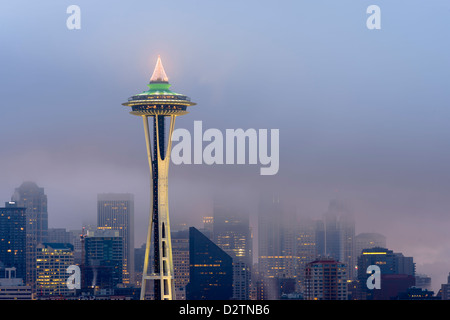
(305, 248)
(52, 261)
(13, 238)
(34, 199)
(270, 214)
(272, 261)
(211, 269)
(103, 260)
(115, 211)
(325, 279)
(397, 273)
(231, 232)
(180, 253)
(389, 262)
(335, 236)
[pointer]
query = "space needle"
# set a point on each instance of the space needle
(161, 106)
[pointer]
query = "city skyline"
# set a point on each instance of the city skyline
(230, 240)
(361, 113)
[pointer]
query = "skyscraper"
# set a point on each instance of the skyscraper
(231, 232)
(52, 261)
(269, 227)
(13, 238)
(276, 239)
(305, 248)
(115, 211)
(211, 269)
(103, 259)
(161, 105)
(336, 235)
(33, 198)
(180, 246)
(270, 214)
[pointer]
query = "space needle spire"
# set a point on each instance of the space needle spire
(160, 106)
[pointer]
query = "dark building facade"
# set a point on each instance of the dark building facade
(13, 238)
(397, 273)
(115, 211)
(389, 262)
(210, 269)
(103, 259)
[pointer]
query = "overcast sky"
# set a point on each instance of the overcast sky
(363, 114)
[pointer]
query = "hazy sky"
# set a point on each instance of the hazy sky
(363, 114)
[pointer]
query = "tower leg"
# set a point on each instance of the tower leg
(158, 237)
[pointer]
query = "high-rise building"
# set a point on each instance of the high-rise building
(52, 261)
(335, 235)
(325, 279)
(269, 228)
(277, 240)
(103, 259)
(211, 269)
(305, 248)
(231, 232)
(34, 199)
(115, 211)
(13, 238)
(139, 254)
(270, 251)
(180, 251)
(162, 106)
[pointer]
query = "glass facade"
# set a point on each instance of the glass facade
(103, 259)
(13, 238)
(211, 269)
(115, 211)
